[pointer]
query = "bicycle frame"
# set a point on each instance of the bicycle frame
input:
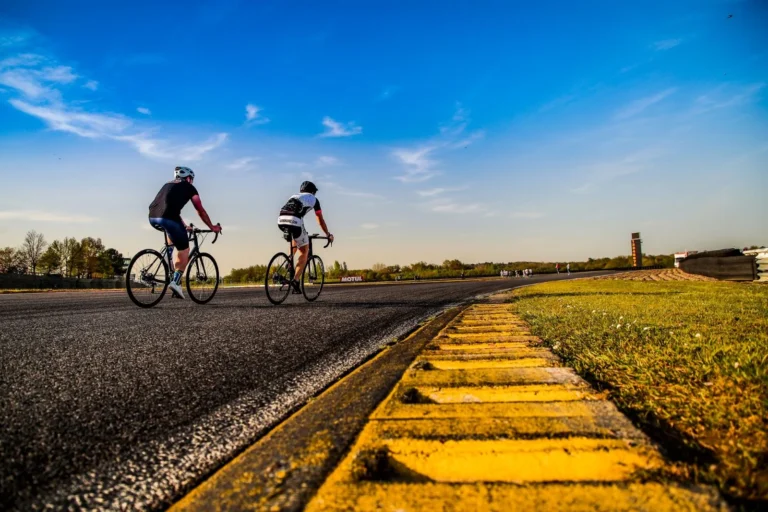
(311, 251)
(166, 252)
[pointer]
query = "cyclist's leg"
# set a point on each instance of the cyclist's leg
(177, 236)
(302, 244)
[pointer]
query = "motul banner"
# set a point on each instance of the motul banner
(351, 279)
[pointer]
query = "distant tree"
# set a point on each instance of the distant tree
(71, 255)
(378, 267)
(111, 263)
(344, 265)
(91, 249)
(51, 260)
(32, 248)
(9, 260)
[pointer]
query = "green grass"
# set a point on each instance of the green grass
(687, 360)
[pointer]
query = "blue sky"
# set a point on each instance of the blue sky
(472, 130)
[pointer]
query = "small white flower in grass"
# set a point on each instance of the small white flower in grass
(698, 335)
(618, 326)
(594, 311)
(646, 328)
(556, 346)
(671, 333)
(735, 365)
(621, 318)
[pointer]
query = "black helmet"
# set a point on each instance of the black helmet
(308, 186)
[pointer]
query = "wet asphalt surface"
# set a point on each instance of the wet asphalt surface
(107, 406)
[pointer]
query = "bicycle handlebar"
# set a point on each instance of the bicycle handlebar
(318, 237)
(195, 230)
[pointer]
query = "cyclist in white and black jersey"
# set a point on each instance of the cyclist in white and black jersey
(291, 223)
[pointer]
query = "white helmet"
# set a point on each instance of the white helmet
(182, 172)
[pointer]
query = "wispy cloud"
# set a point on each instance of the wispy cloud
(603, 172)
(242, 164)
(452, 207)
(639, 105)
(326, 160)
(62, 118)
(253, 115)
(339, 129)
(39, 82)
(144, 110)
(727, 96)
(387, 93)
(666, 44)
(437, 191)
(91, 84)
(557, 102)
(419, 162)
(41, 216)
(369, 226)
(163, 149)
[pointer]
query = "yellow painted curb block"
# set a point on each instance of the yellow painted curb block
(487, 418)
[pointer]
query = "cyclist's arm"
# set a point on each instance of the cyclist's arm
(198, 204)
(321, 221)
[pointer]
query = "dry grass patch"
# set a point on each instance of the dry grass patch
(688, 360)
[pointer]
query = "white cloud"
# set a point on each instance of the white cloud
(84, 124)
(144, 110)
(727, 96)
(40, 216)
(458, 208)
(158, 148)
(437, 191)
(253, 115)
(419, 162)
(326, 160)
(432, 192)
(38, 83)
(410, 177)
(369, 225)
(639, 105)
(91, 84)
(339, 129)
(666, 44)
(242, 164)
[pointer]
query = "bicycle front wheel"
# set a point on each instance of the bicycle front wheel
(202, 278)
(313, 278)
(147, 278)
(277, 282)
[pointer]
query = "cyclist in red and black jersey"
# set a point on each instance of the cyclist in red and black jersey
(165, 215)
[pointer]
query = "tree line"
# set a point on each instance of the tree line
(455, 268)
(86, 258)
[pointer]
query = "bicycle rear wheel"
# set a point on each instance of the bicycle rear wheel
(277, 282)
(147, 278)
(202, 278)
(313, 278)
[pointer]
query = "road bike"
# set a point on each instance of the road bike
(280, 273)
(149, 273)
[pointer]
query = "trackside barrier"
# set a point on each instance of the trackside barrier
(351, 279)
(761, 263)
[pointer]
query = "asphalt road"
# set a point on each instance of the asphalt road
(105, 405)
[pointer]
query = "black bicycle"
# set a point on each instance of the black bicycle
(280, 273)
(149, 273)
